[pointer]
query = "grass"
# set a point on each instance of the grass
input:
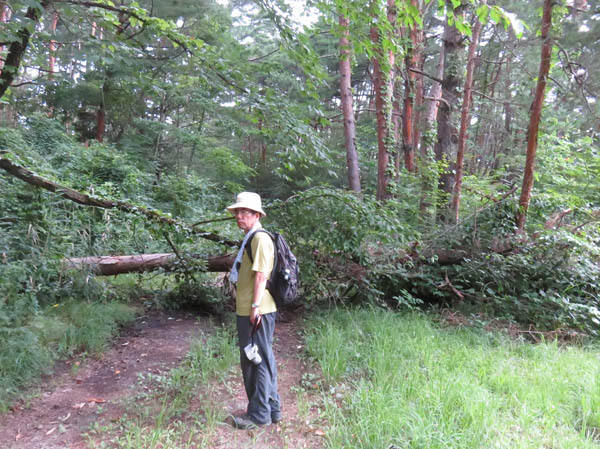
(389, 381)
(409, 383)
(59, 331)
(83, 323)
(165, 412)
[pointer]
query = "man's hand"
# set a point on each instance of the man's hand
(254, 314)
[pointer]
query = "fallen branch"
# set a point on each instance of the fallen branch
(448, 285)
(87, 200)
(596, 218)
(556, 219)
(490, 197)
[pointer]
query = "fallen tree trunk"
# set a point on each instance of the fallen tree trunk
(139, 263)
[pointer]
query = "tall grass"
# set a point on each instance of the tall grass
(407, 383)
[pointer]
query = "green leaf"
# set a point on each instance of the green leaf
(495, 15)
(483, 13)
(463, 27)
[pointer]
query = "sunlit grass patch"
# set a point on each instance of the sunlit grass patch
(415, 385)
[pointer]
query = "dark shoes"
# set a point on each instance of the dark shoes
(244, 422)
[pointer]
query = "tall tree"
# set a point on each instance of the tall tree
(446, 134)
(4, 16)
(465, 119)
(53, 45)
(536, 113)
(347, 107)
(412, 63)
(435, 94)
(383, 80)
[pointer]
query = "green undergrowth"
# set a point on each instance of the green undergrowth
(174, 409)
(57, 331)
(402, 381)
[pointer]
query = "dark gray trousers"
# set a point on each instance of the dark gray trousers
(260, 380)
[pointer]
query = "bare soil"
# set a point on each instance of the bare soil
(79, 395)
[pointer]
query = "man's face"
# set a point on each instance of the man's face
(245, 218)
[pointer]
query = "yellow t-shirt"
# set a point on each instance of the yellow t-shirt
(264, 257)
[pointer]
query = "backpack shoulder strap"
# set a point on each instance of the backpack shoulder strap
(248, 250)
(249, 242)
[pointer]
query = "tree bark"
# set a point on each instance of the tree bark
(419, 97)
(509, 138)
(101, 117)
(464, 119)
(535, 113)
(426, 153)
(4, 16)
(347, 107)
(87, 200)
(446, 136)
(412, 61)
(6, 112)
(383, 80)
(436, 92)
(101, 112)
(139, 263)
(159, 149)
(53, 47)
(17, 49)
(397, 126)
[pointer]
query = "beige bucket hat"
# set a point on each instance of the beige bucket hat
(248, 200)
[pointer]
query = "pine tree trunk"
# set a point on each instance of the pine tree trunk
(412, 61)
(383, 80)
(397, 126)
(419, 94)
(535, 113)
(347, 107)
(101, 112)
(446, 135)
(159, 148)
(53, 46)
(509, 142)
(436, 91)
(407, 122)
(426, 153)
(464, 120)
(4, 16)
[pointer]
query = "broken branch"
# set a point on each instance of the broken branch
(87, 200)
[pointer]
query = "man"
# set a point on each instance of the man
(255, 305)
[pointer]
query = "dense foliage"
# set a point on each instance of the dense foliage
(175, 106)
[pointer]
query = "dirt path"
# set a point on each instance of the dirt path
(79, 396)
